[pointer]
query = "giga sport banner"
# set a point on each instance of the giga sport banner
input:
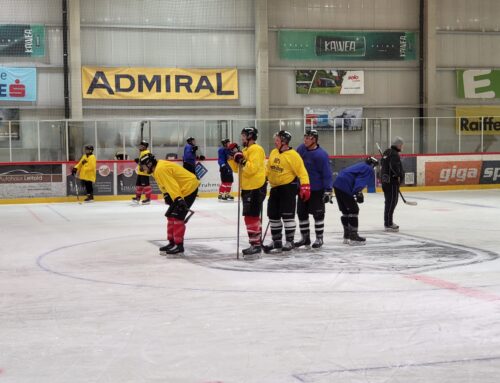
(159, 83)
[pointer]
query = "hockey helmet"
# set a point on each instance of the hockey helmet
(250, 133)
(312, 133)
(89, 147)
(225, 141)
(285, 136)
(144, 143)
(189, 140)
(148, 159)
(372, 161)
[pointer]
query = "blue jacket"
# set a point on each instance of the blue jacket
(222, 155)
(354, 178)
(189, 154)
(318, 167)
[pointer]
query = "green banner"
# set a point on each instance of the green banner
(347, 45)
(22, 40)
(478, 83)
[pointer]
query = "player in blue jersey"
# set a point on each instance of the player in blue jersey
(226, 173)
(320, 177)
(348, 187)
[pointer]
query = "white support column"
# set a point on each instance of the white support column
(261, 60)
(75, 60)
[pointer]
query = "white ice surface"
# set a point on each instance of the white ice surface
(85, 297)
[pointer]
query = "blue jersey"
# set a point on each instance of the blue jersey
(222, 155)
(354, 178)
(318, 167)
(189, 154)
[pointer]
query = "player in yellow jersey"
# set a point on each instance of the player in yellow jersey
(179, 188)
(142, 183)
(285, 168)
(86, 169)
(253, 186)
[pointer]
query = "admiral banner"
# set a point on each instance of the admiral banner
(22, 40)
(477, 120)
(347, 45)
(478, 83)
(332, 81)
(159, 83)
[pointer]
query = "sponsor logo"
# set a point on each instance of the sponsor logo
(340, 45)
(488, 124)
(490, 172)
(353, 77)
(452, 173)
(402, 46)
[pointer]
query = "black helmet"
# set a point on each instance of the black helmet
(312, 133)
(285, 136)
(144, 143)
(372, 161)
(250, 133)
(190, 139)
(148, 159)
(89, 147)
(225, 141)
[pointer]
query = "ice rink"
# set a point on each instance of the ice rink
(86, 297)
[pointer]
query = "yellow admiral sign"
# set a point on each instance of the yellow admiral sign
(124, 83)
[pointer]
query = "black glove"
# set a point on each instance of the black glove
(73, 171)
(136, 160)
(360, 198)
(167, 199)
(84, 162)
(202, 158)
(195, 148)
(178, 209)
(328, 196)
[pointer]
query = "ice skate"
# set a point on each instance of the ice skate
(305, 241)
(318, 243)
(251, 253)
(90, 198)
(392, 228)
(230, 198)
(289, 246)
(147, 201)
(135, 201)
(164, 249)
(176, 251)
(356, 240)
(273, 247)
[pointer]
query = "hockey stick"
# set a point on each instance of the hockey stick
(188, 216)
(239, 211)
(76, 190)
(265, 233)
(411, 203)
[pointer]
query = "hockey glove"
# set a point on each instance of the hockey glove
(73, 171)
(359, 197)
(328, 197)
(238, 158)
(167, 199)
(84, 162)
(305, 192)
(195, 148)
(233, 148)
(136, 160)
(178, 209)
(202, 158)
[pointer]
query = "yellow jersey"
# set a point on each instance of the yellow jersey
(174, 179)
(138, 170)
(253, 172)
(87, 170)
(283, 168)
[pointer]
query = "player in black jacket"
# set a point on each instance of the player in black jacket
(391, 174)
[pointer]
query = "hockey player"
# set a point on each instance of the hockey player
(283, 169)
(391, 174)
(86, 169)
(320, 175)
(189, 157)
(250, 161)
(142, 182)
(348, 187)
(226, 173)
(179, 188)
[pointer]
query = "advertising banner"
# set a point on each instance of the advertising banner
(347, 45)
(490, 172)
(159, 83)
(452, 173)
(478, 83)
(17, 84)
(22, 40)
(332, 81)
(24, 181)
(127, 176)
(104, 184)
(342, 117)
(9, 124)
(474, 120)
